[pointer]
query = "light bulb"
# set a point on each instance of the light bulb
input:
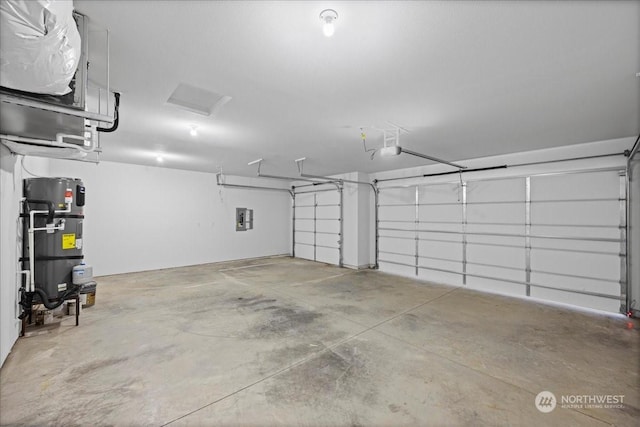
(328, 16)
(160, 159)
(328, 29)
(193, 131)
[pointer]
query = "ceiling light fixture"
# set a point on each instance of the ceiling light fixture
(194, 130)
(160, 159)
(328, 16)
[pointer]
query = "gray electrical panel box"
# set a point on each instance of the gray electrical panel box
(244, 219)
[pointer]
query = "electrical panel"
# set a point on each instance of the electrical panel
(244, 219)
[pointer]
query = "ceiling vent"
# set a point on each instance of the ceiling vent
(197, 100)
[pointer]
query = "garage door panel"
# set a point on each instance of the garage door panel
(571, 298)
(518, 229)
(304, 224)
(397, 196)
(503, 212)
(450, 236)
(440, 277)
(576, 213)
(440, 193)
(485, 240)
(610, 232)
(498, 255)
(304, 199)
(577, 284)
(492, 285)
(329, 256)
(496, 191)
(328, 227)
(581, 264)
(399, 258)
(328, 197)
(562, 230)
(445, 250)
(577, 246)
(304, 251)
(440, 213)
(397, 269)
(386, 213)
(589, 185)
(508, 273)
(437, 265)
(330, 240)
(397, 227)
(332, 212)
(395, 244)
(317, 225)
(304, 212)
(304, 237)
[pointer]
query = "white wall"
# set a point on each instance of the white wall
(356, 223)
(143, 218)
(11, 175)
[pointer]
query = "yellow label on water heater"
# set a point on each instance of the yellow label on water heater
(68, 241)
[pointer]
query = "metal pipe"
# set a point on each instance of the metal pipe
(434, 159)
(634, 149)
(506, 166)
(12, 99)
(315, 183)
(315, 191)
(55, 144)
(31, 231)
(249, 187)
(285, 178)
(350, 181)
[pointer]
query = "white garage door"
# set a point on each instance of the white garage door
(558, 237)
(317, 224)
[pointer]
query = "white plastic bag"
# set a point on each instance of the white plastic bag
(40, 45)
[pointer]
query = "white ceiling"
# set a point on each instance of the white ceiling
(468, 79)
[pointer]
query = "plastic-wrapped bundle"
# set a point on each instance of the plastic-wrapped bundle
(40, 45)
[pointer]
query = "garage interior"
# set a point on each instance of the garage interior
(322, 213)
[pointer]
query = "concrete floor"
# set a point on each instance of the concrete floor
(283, 341)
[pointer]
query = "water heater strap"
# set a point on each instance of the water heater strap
(53, 258)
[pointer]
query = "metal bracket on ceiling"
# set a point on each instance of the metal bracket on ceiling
(391, 136)
(259, 162)
(300, 164)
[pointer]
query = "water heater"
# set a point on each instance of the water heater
(53, 214)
